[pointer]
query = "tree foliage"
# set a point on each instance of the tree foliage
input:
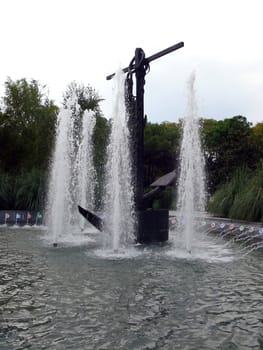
(27, 134)
(228, 144)
(234, 153)
(87, 97)
(161, 150)
(27, 126)
(100, 143)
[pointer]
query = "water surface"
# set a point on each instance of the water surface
(83, 297)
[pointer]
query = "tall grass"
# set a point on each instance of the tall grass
(240, 198)
(31, 190)
(221, 202)
(7, 191)
(248, 204)
(25, 191)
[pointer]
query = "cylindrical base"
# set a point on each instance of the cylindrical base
(153, 226)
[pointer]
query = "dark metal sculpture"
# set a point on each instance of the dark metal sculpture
(92, 217)
(152, 224)
(135, 106)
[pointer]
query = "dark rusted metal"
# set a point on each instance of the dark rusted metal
(165, 180)
(153, 57)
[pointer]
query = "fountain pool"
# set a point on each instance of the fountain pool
(80, 297)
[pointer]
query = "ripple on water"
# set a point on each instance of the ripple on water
(121, 253)
(207, 251)
(138, 298)
(73, 240)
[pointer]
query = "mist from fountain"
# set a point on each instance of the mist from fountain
(72, 178)
(119, 195)
(191, 192)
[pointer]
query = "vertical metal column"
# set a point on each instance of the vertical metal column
(139, 125)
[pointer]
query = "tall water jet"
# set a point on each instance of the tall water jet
(84, 170)
(72, 173)
(119, 198)
(191, 184)
(59, 198)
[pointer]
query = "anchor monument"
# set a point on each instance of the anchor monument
(152, 224)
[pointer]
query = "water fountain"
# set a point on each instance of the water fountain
(72, 171)
(127, 210)
(191, 183)
(58, 208)
(119, 195)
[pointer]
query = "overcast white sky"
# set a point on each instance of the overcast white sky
(58, 41)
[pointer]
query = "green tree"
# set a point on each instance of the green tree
(100, 143)
(161, 150)
(257, 140)
(87, 97)
(27, 129)
(27, 126)
(228, 145)
(80, 98)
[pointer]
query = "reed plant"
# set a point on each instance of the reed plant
(248, 204)
(222, 201)
(24, 191)
(7, 191)
(31, 190)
